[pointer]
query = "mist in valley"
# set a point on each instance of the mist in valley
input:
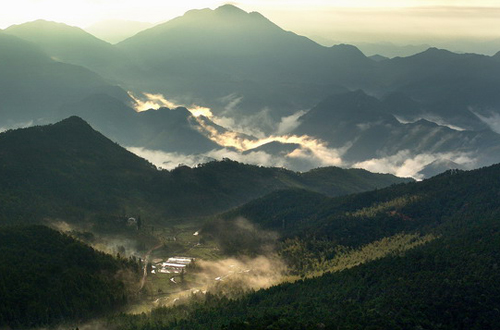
(251, 122)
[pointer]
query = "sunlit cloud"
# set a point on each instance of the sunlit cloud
(148, 101)
(201, 111)
(298, 153)
(151, 101)
(339, 20)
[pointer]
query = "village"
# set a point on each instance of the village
(174, 265)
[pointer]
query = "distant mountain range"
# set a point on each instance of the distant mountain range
(114, 31)
(33, 86)
(256, 78)
(70, 44)
(371, 130)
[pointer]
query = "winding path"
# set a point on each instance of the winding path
(146, 258)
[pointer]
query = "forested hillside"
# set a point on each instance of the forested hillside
(447, 281)
(71, 171)
(48, 277)
(357, 219)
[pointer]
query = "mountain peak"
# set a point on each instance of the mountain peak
(44, 33)
(347, 51)
(41, 26)
(75, 128)
(434, 52)
(231, 9)
(73, 121)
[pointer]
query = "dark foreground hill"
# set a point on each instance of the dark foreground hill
(447, 283)
(49, 278)
(71, 171)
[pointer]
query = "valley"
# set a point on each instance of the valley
(218, 171)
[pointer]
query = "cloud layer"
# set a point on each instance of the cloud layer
(246, 144)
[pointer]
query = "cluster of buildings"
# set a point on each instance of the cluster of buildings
(175, 265)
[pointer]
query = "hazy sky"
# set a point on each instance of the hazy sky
(337, 20)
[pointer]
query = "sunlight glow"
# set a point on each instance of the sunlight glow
(330, 21)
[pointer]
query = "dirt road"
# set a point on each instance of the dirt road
(146, 260)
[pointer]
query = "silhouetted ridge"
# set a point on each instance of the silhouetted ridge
(73, 122)
(73, 45)
(348, 105)
(348, 50)
(68, 170)
(230, 9)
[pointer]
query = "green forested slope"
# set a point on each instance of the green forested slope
(47, 277)
(448, 283)
(69, 170)
(361, 218)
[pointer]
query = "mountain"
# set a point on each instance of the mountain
(215, 53)
(378, 58)
(71, 45)
(33, 86)
(368, 129)
(83, 283)
(439, 166)
(65, 167)
(442, 77)
(114, 31)
(359, 219)
(170, 130)
(387, 49)
(412, 256)
(199, 59)
(255, 76)
(69, 170)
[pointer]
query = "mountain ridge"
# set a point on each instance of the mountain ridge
(72, 45)
(70, 170)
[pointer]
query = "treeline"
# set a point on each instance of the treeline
(48, 277)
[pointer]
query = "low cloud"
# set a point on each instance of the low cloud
(240, 140)
(243, 273)
(492, 120)
(289, 123)
(310, 153)
(16, 126)
(111, 244)
(257, 265)
(169, 160)
(432, 118)
(233, 118)
(405, 164)
(249, 125)
(147, 101)
(231, 102)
